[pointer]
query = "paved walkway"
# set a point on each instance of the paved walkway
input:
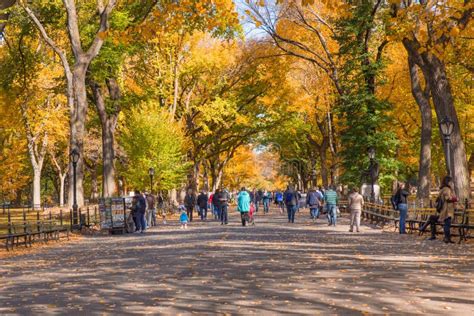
(271, 268)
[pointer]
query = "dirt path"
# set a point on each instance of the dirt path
(271, 268)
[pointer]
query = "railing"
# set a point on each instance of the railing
(13, 215)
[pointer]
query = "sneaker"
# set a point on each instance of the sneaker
(357, 231)
(448, 241)
(351, 231)
(432, 238)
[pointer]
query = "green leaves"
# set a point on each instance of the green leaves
(151, 139)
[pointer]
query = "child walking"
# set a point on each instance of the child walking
(183, 219)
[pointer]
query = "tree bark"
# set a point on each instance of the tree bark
(108, 124)
(422, 99)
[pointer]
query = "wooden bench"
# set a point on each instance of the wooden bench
(26, 233)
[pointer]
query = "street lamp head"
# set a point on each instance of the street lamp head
(371, 153)
(151, 171)
(446, 126)
(74, 156)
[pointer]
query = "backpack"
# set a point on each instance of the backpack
(395, 200)
(313, 199)
(289, 197)
(279, 197)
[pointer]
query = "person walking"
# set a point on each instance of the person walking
(320, 195)
(183, 219)
(330, 199)
(161, 207)
(151, 206)
(202, 204)
(279, 201)
(355, 204)
(313, 201)
(223, 205)
(445, 205)
(401, 202)
(189, 203)
(291, 202)
(243, 205)
(216, 203)
(266, 198)
(141, 209)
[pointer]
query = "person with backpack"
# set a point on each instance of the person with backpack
(224, 198)
(291, 202)
(279, 201)
(445, 204)
(330, 199)
(243, 205)
(401, 202)
(189, 203)
(313, 202)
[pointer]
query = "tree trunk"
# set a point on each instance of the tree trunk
(62, 179)
(422, 99)
(324, 166)
(108, 123)
(36, 188)
(77, 134)
(444, 107)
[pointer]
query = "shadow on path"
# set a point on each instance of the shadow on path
(271, 268)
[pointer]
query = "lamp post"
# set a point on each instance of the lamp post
(151, 172)
(371, 153)
(74, 156)
(446, 126)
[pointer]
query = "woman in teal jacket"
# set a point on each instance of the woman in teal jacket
(243, 205)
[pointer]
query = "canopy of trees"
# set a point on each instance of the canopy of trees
(221, 93)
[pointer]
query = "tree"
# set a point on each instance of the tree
(75, 71)
(151, 140)
(426, 30)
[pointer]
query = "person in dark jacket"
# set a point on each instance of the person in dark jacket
(216, 203)
(202, 204)
(141, 209)
(224, 204)
(291, 201)
(189, 203)
(401, 200)
(313, 201)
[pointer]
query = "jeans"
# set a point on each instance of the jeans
(189, 211)
(403, 209)
(151, 217)
(266, 204)
(332, 214)
(314, 212)
(203, 211)
(217, 212)
(291, 209)
(223, 214)
(447, 228)
(141, 222)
